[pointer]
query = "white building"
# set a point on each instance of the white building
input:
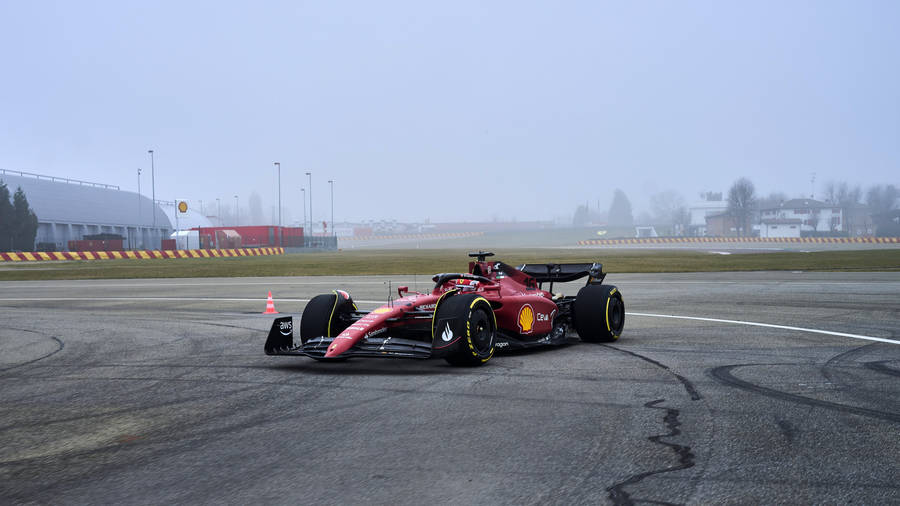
(700, 210)
(793, 217)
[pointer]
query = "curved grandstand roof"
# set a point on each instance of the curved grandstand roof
(185, 221)
(84, 203)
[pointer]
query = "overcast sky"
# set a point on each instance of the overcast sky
(458, 111)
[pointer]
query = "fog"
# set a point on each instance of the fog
(452, 112)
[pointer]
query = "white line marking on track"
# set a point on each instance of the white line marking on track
(769, 325)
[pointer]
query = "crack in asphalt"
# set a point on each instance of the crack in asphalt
(617, 493)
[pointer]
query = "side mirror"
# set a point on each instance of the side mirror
(401, 290)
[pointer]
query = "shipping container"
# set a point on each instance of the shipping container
(257, 237)
(96, 245)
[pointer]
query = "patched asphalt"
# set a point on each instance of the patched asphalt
(158, 391)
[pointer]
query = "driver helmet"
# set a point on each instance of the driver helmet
(467, 285)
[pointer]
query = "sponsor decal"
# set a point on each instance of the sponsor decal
(383, 310)
(526, 319)
(501, 344)
(425, 307)
(342, 336)
(376, 332)
(447, 335)
(285, 328)
(542, 317)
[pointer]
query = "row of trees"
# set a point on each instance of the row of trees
(18, 223)
(668, 208)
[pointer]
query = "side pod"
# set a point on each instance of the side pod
(281, 336)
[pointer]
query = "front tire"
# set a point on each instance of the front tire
(465, 329)
(326, 315)
(599, 313)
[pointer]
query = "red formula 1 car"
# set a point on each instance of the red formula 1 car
(465, 318)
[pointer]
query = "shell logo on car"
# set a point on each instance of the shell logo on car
(526, 319)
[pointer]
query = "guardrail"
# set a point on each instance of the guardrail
(680, 240)
(137, 254)
(445, 235)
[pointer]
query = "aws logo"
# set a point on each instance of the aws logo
(526, 319)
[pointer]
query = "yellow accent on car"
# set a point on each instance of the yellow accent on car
(436, 304)
(336, 297)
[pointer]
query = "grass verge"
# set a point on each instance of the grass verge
(432, 261)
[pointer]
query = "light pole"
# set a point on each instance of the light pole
(237, 212)
(310, 202)
(331, 182)
(201, 208)
(219, 211)
(279, 193)
(304, 207)
(139, 195)
(153, 184)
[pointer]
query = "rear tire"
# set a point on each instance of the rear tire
(466, 325)
(323, 317)
(599, 313)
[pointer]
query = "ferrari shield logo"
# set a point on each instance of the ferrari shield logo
(526, 319)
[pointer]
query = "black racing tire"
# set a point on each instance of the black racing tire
(466, 324)
(323, 317)
(599, 313)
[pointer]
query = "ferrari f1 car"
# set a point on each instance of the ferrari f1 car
(465, 318)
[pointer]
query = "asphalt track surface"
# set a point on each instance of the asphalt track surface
(158, 391)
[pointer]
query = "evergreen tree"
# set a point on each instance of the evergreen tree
(24, 223)
(620, 211)
(7, 219)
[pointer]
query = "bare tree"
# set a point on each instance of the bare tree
(256, 212)
(842, 194)
(881, 198)
(741, 199)
(665, 206)
(815, 213)
(773, 200)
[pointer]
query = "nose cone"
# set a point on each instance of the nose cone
(338, 346)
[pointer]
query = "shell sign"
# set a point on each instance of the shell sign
(526, 319)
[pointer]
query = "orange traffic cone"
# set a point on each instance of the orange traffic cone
(270, 305)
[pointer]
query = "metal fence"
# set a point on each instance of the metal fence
(320, 243)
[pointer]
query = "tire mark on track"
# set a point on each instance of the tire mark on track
(59, 347)
(691, 389)
(617, 493)
(724, 375)
(880, 367)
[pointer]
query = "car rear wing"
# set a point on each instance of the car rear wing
(563, 273)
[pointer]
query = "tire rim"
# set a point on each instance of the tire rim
(482, 335)
(616, 314)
